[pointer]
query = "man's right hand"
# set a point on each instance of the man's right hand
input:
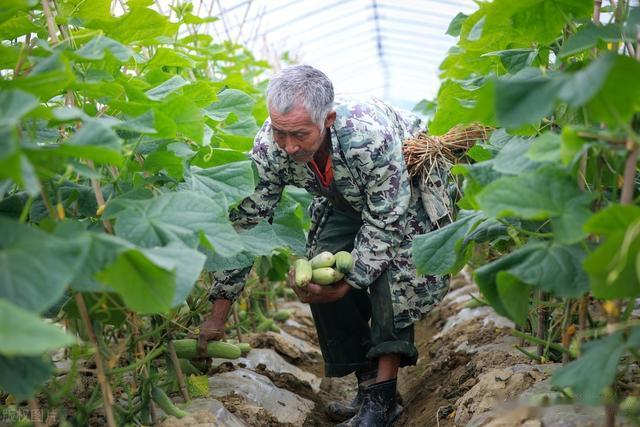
(212, 329)
(314, 293)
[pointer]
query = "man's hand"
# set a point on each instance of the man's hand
(314, 293)
(212, 329)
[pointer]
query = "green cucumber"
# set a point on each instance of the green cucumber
(344, 262)
(245, 347)
(302, 272)
(188, 349)
(162, 400)
(323, 259)
(282, 315)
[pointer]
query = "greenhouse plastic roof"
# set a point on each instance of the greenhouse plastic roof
(385, 48)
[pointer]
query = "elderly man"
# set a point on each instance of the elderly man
(349, 155)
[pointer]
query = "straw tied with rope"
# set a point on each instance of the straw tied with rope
(430, 158)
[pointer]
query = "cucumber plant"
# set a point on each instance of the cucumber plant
(123, 148)
(550, 213)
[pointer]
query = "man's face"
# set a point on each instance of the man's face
(297, 134)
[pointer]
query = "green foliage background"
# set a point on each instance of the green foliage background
(543, 217)
(123, 145)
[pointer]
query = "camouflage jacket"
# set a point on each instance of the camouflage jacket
(370, 174)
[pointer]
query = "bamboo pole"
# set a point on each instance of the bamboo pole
(543, 315)
(107, 396)
(176, 365)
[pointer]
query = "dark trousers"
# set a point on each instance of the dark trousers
(359, 328)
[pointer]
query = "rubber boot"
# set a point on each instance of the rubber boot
(379, 407)
(342, 411)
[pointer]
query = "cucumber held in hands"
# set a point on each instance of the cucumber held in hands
(320, 269)
(303, 272)
(326, 276)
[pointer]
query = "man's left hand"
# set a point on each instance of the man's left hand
(315, 294)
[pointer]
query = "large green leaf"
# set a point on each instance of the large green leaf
(456, 24)
(166, 57)
(528, 96)
(553, 268)
(140, 24)
(102, 250)
(144, 287)
(47, 79)
(22, 333)
(542, 194)
(17, 25)
(96, 141)
(35, 267)
(514, 295)
(529, 21)
(437, 251)
(96, 48)
(595, 370)
(230, 101)
(186, 115)
(14, 104)
(288, 224)
(179, 216)
(22, 376)
(203, 93)
(234, 180)
(166, 88)
(545, 148)
(459, 105)
(588, 36)
(612, 267)
(512, 159)
(187, 264)
(615, 103)
(525, 97)
(515, 60)
(85, 9)
(287, 231)
(497, 284)
(613, 219)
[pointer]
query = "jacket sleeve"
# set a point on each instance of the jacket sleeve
(259, 206)
(378, 162)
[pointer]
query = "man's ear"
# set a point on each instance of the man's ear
(330, 120)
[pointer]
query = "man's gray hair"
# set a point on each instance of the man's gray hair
(301, 85)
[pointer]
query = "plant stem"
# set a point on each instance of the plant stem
(582, 315)
(566, 336)
(610, 415)
(629, 175)
(51, 23)
(107, 397)
(176, 365)
(26, 46)
(542, 323)
(147, 358)
(538, 341)
(528, 354)
(236, 319)
(97, 190)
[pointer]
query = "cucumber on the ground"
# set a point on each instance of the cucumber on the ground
(245, 347)
(162, 400)
(267, 325)
(188, 348)
(282, 315)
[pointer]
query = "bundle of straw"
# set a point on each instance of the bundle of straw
(424, 152)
